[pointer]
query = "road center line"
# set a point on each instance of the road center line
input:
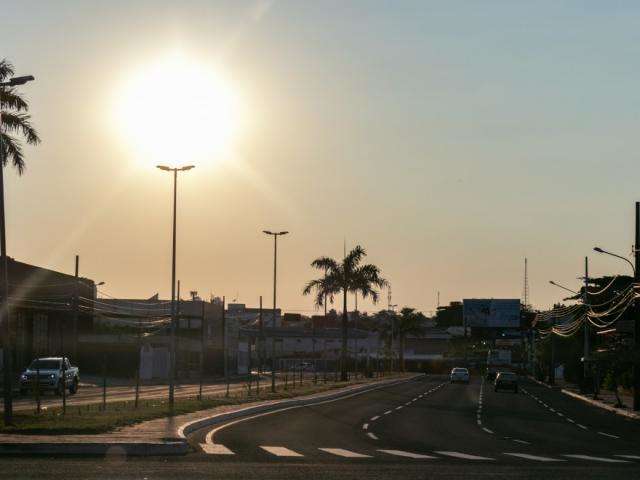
(608, 435)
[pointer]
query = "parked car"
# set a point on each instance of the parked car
(50, 371)
(508, 380)
(459, 374)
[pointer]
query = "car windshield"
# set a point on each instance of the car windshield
(459, 370)
(507, 375)
(44, 364)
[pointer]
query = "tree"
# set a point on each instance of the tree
(15, 122)
(409, 322)
(347, 276)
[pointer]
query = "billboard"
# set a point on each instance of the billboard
(491, 313)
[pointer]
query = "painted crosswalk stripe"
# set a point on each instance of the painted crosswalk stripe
(215, 449)
(402, 453)
(608, 435)
(536, 458)
(341, 452)
(464, 456)
(281, 451)
(630, 457)
(596, 459)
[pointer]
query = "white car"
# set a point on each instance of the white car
(459, 375)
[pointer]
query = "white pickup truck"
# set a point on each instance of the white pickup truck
(50, 371)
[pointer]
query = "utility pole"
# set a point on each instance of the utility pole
(202, 349)
(224, 343)
(261, 335)
(586, 359)
(75, 310)
(636, 323)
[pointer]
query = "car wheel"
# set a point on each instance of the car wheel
(73, 388)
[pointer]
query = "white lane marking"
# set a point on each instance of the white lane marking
(215, 449)
(407, 404)
(400, 407)
(524, 442)
(596, 459)
(341, 452)
(281, 451)
(372, 435)
(560, 414)
(365, 426)
(387, 412)
(402, 453)
(487, 430)
(537, 458)
(373, 419)
(479, 422)
(553, 410)
(464, 456)
(415, 399)
(582, 426)
(571, 420)
(608, 435)
(630, 457)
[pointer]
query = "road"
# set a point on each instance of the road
(92, 394)
(422, 429)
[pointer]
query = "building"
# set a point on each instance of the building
(47, 311)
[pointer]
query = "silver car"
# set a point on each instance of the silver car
(459, 375)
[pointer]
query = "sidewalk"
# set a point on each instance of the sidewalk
(606, 399)
(162, 436)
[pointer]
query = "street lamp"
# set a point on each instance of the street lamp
(172, 351)
(602, 250)
(273, 322)
(4, 308)
(562, 286)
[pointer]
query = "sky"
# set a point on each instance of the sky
(450, 139)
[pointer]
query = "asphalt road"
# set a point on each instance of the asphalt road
(422, 429)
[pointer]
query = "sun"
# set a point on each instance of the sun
(176, 111)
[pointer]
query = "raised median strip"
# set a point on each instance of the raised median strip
(599, 404)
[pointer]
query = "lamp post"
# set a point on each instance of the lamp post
(4, 308)
(636, 307)
(172, 351)
(273, 322)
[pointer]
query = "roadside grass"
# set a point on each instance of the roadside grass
(92, 419)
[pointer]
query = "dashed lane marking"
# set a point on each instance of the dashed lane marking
(400, 407)
(596, 459)
(536, 458)
(608, 435)
(487, 430)
(524, 442)
(341, 452)
(215, 449)
(402, 453)
(630, 457)
(373, 419)
(281, 451)
(464, 456)
(582, 426)
(365, 426)
(372, 435)
(387, 412)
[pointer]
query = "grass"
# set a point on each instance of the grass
(91, 419)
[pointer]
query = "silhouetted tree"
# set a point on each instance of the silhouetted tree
(15, 121)
(346, 276)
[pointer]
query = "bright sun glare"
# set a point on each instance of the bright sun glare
(177, 111)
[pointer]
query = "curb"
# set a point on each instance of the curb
(604, 406)
(189, 427)
(108, 449)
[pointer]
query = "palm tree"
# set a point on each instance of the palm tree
(15, 121)
(347, 276)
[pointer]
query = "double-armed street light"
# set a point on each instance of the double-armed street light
(273, 322)
(4, 308)
(172, 351)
